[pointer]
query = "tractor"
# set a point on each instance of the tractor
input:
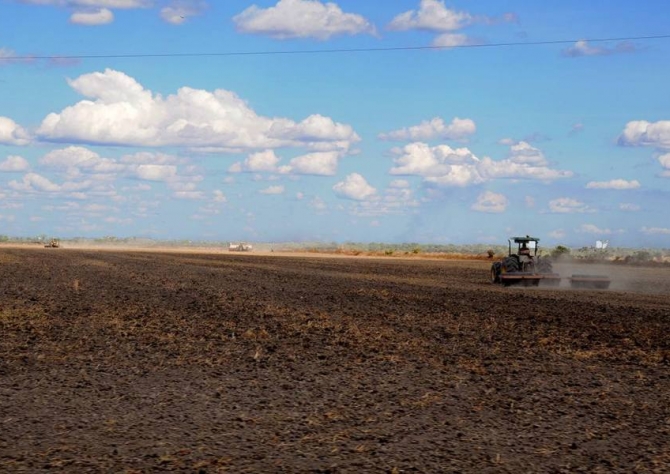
(53, 244)
(523, 265)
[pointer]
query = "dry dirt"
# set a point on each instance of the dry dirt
(158, 362)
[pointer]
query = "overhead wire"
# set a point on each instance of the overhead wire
(327, 51)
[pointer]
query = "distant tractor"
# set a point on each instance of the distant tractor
(240, 247)
(53, 244)
(523, 266)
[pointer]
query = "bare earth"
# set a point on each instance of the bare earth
(117, 361)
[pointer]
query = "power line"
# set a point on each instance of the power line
(327, 51)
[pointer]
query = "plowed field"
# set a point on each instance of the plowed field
(156, 362)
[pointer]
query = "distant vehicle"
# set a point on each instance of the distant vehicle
(53, 244)
(524, 266)
(240, 247)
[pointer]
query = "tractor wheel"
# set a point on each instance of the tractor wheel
(511, 264)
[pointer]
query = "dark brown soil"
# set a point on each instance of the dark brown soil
(146, 362)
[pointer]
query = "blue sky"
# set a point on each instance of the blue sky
(567, 141)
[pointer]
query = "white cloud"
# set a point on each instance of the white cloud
(121, 112)
(319, 164)
(354, 187)
(301, 19)
(583, 48)
(643, 133)
(453, 40)
(100, 16)
(33, 182)
(14, 163)
(490, 202)
(625, 206)
(6, 56)
(178, 11)
(568, 206)
(76, 160)
(150, 158)
(557, 234)
(524, 153)
(317, 204)
(219, 196)
(620, 184)
(655, 230)
(189, 195)
(593, 229)
(664, 160)
(436, 128)
(11, 133)
(445, 166)
(508, 169)
(257, 162)
(272, 190)
(432, 15)
(156, 172)
(422, 160)
(395, 199)
(577, 128)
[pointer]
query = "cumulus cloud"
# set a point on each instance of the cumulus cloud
(593, 229)
(6, 56)
(354, 187)
(257, 162)
(156, 172)
(432, 129)
(490, 202)
(11, 133)
(643, 133)
(33, 182)
(14, 163)
(524, 153)
(120, 111)
(178, 11)
(318, 164)
(664, 160)
(273, 190)
(395, 199)
(75, 161)
(81, 165)
(620, 184)
(302, 19)
(568, 206)
(454, 40)
(432, 15)
(583, 48)
(219, 196)
(655, 230)
(446, 166)
(628, 207)
(557, 234)
(100, 16)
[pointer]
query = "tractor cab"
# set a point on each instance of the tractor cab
(525, 252)
(525, 246)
